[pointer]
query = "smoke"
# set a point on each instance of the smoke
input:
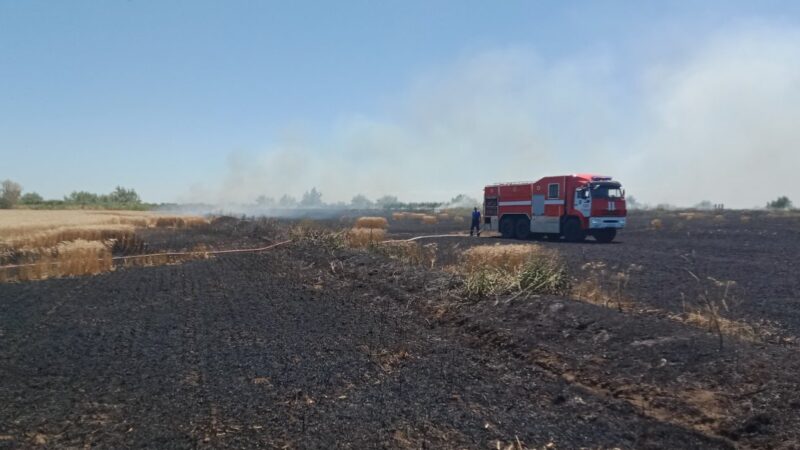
(716, 122)
(722, 124)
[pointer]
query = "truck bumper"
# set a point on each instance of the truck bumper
(599, 223)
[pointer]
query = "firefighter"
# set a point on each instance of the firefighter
(476, 222)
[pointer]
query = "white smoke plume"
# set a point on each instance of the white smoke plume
(716, 122)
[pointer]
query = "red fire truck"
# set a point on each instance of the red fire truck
(572, 206)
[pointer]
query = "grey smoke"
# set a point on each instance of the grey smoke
(717, 121)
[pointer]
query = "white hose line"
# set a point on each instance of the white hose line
(432, 236)
(199, 252)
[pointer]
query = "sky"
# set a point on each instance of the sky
(223, 101)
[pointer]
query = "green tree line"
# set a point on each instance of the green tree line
(12, 196)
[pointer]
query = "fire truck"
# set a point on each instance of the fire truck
(568, 206)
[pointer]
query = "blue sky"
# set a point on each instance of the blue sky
(222, 101)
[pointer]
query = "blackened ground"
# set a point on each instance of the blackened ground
(305, 346)
(280, 349)
(757, 251)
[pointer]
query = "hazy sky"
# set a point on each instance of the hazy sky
(221, 101)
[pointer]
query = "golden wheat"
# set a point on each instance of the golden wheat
(79, 257)
(364, 237)
(372, 222)
(46, 244)
(430, 220)
(27, 228)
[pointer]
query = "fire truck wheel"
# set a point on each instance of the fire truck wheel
(522, 228)
(507, 228)
(605, 236)
(573, 231)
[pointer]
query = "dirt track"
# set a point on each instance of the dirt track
(310, 347)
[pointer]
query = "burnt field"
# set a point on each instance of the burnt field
(681, 334)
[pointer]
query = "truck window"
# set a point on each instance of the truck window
(552, 190)
(606, 191)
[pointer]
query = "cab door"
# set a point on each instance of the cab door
(583, 202)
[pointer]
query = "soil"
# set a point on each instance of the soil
(312, 346)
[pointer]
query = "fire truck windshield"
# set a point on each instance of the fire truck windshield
(606, 190)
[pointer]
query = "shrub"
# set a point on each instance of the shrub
(9, 194)
(31, 198)
(780, 203)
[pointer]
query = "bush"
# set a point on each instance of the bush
(780, 203)
(31, 198)
(9, 194)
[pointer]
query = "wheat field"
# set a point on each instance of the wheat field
(72, 242)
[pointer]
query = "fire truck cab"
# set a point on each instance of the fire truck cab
(572, 206)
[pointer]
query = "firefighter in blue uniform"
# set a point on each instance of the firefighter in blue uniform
(476, 222)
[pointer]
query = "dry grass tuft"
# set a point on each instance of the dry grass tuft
(503, 269)
(713, 323)
(399, 216)
(364, 237)
(605, 286)
(415, 216)
(745, 218)
(503, 257)
(656, 224)
(687, 215)
(430, 220)
(443, 216)
(372, 222)
(458, 219)
(412, 253)
(719, 218)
